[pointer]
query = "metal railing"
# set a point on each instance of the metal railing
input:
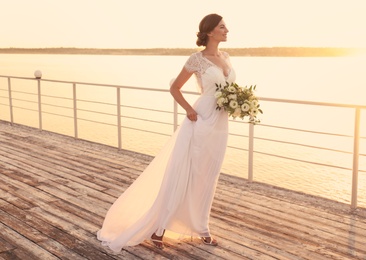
(174, 112)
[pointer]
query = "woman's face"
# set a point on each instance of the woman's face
(220, 32)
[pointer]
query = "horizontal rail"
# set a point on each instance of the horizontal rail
(313, 103)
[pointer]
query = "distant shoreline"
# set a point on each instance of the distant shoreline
(255, 52)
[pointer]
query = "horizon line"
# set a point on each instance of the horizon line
(243, 51)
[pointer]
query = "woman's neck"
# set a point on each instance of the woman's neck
(212, 50)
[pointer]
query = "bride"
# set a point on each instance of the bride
(175, 192)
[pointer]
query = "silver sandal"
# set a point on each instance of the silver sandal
(209, 241)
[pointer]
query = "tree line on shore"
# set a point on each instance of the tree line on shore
(257, 51)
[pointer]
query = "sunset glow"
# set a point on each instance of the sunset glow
(171, 24)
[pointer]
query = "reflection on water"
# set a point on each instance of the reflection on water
(337, 80)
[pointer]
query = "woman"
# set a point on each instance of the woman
(175, 192)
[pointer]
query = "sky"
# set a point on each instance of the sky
(173, 24)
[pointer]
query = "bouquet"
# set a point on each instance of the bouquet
(238, 101)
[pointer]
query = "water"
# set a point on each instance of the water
(335, 80)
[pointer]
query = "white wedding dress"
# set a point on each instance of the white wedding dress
(175, 192)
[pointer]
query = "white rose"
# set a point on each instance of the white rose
(231, 89)
(221, 102)
(233, 104)
(218, 94)
(245, 107)
(254, 103)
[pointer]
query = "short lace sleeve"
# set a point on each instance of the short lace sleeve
(192, 64)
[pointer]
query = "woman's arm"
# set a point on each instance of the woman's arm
(178, 83)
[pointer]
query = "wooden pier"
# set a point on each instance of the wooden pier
(55, 191)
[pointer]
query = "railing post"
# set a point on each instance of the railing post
(75, 110)
(356, 148)
(175, 115)
(119, 118)
(10, 102)
(39, 104)
(250, 152)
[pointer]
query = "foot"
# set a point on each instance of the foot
(209, 241)
(157, 241)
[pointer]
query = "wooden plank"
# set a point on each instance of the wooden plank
(76, 230)
(18, 254)
(87, 177)
(40, 166)
(4, 244)
(32, 194)
(298, 219)
(283, 237)
(30, 248)
(299, 223)
(57, 242)
(60, 250)
(87, 166)
(196, 247)
(80, 158)
(284, 203)
(21, 227)
(78, 211)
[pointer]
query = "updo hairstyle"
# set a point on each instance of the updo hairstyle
(207, 24)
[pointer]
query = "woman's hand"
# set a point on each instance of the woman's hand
(191, 114)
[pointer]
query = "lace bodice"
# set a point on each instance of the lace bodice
(207, 73)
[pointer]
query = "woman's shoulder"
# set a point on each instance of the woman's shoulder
(196, 54)
(225, 54)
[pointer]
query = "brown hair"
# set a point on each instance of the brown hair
(207, 24)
